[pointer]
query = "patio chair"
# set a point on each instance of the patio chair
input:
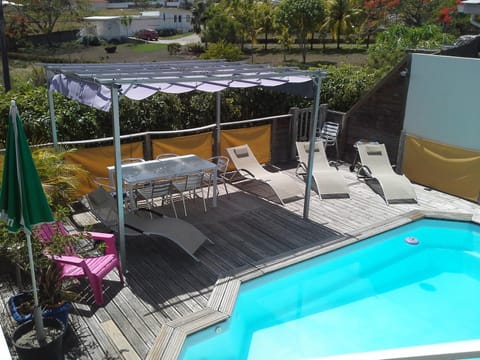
(376, 165)
(221, 170)
(329, 135)
(165, 155)
(183, 234)
(132, 160)
(156, 189)
(328, 180)
(246, 163)
(191, 184)
(73, 266)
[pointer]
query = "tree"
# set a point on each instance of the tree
(126, 20)
(42, 15)
(375, 16)
(300, 17)
(142, 4)
(285, 41)
(242, 12)
(340, 17)
(199, 14)
(265, 13)
(417, 12)
(220, 27)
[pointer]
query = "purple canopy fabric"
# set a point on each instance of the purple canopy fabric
(90, 84)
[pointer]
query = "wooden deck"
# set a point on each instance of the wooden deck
(165, 284)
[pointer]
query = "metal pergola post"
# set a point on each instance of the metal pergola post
(118, 176)
(317, 80)
(53, 123)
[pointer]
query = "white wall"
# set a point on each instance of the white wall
(443, 102)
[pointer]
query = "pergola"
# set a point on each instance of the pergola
(101, 85)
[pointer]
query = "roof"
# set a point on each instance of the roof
(91, 84)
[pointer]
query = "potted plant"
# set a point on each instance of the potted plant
(42, 338)
(28, 346)
(54, 296)
(54, 293)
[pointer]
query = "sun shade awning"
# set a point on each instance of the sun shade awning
(91, 84)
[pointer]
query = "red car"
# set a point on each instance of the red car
(147, 34)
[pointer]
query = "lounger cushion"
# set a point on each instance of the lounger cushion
(241, 152)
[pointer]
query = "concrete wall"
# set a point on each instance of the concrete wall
(443, 98)
(378, 115)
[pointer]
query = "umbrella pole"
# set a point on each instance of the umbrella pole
(37, 312)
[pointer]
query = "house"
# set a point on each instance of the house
(111, 27)
(109, 4)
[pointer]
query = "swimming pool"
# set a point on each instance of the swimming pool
(377, 294)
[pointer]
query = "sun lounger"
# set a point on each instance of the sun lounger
(185, 235)
(376, 165)
(329, 182)
(246, 163)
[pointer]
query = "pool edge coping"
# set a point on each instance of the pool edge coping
(169, 342)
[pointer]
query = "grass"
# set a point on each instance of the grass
(21, 62)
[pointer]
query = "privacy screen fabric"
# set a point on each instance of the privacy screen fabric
(443, 167)
(95, 161)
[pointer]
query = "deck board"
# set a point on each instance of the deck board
(165, 284)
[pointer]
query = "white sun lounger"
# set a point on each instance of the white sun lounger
(376, 165)
(182, 233)
(329, 182)
(247, 164)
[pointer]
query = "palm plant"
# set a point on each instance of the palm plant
(341, 16)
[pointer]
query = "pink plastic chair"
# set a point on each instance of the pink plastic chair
(74, 266)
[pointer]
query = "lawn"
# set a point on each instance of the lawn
(147, 52)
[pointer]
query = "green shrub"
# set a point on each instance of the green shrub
(90, 40)
(174, 48)
(392, 44)
(223, 50)
(195, 48)
(166, 32)
(344, 85)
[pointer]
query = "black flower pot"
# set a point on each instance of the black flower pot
(30, 350)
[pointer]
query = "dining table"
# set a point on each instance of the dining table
(166, 168)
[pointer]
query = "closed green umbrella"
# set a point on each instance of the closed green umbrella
(23, 203)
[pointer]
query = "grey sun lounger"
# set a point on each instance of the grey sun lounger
(376, 165)
(328, 180)
(185, 235)
(247, 164)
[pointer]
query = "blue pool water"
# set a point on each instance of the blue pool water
(376, 294)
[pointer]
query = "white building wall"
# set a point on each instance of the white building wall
(111, 28)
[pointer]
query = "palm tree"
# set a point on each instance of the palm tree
(266, 17)
(340, 17)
